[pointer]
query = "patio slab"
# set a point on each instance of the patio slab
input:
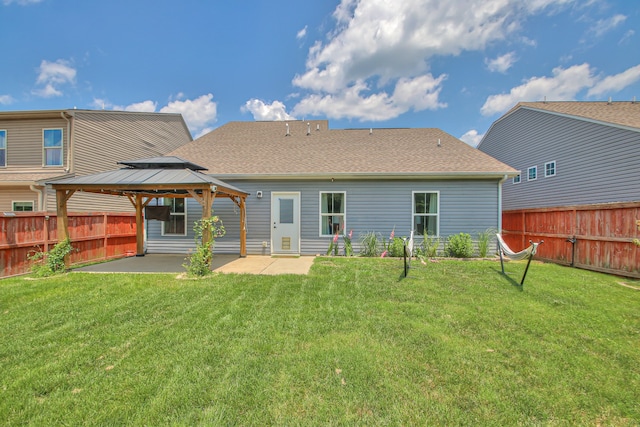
(172, 263)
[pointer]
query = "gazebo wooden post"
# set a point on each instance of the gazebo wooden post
(139, 226)
(206, 214)
(62, 219)
(243, 227)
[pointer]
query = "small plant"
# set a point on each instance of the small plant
(483, 241)
(51, 262)
(370, 244)
(348, 248)
(429, 246)
(333, 246)
(396, 247)
(199, 262)
(459, 246)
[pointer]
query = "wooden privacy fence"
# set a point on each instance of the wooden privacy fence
(94, 237)
(594, 237)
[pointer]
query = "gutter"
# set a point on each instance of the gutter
(503, 175)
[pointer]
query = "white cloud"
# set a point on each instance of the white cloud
(603, 26)
(472, 137)
(6, 99)
(262, 111)
(198, 113)
(564, 85)
(616, 83)
(502, 63)
(52, 75)
(302, 33)
(377, 43)
(141, 107)
(20, 2)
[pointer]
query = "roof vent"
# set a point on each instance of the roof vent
(609, 101)
(288, 133)
(370, 131)
(439, 144)
(317, 127)
(308, 128)
(633, 101)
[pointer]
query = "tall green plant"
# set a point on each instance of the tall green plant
(370, 244)
(51, 262)
(429, 246)
(483, 241)
(199, 261)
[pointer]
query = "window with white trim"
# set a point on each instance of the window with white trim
(532, 173)
(22, 206)
(332, 213)
(517, 179)
(3, 148)
(52, 146)
(177, 224)
(550, 169)
(426, 210)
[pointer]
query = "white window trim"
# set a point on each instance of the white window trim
(5, 147)
(13, 205)
(529, 175)
(413, 208)
(321, 215)
(519, 176)
(162, 233)
(555, 169)
(44, 150)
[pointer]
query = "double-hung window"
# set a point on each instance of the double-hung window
(517, 179)
(177, 224)
(22, 206)
(332, 213)
(532, 173)
(550, 169)
(3, 148)
(52, 144)
(426, 210)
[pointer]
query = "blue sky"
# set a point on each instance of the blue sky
(457, 65)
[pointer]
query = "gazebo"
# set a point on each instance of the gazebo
(143, 180)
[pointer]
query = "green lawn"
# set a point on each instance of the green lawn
(455, 343)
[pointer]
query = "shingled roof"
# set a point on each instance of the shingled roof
(309, 148)
(622, 113)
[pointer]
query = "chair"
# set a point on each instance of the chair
(505, 251)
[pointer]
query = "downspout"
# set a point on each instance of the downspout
(38, 190)
(68, 169)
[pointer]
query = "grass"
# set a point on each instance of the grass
(455, 343)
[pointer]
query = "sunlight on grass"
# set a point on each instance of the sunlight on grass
(351, 343)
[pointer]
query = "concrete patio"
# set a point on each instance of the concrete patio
(172, 263)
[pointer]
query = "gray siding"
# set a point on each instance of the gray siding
(595, 163)
(24, 144)
(465, 206)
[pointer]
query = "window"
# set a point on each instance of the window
(532, 173)
(177, 224)
(3, 148)
(52, 143)
(22, 206)
(550, 169)
(332, 213)
(517, 179)
(426, 207)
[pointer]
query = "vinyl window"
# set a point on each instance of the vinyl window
(426, 212)
(332, 213)
(532, 173)
(550, 169)
(22, 206)
(177, 224)
(3, 148)
(52, 145)
(517, 179)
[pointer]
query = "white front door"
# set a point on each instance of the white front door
(285, 223)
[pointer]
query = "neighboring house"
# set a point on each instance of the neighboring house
(307, 182)
(568, 153)
(39, 146)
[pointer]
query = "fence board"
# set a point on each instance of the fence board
(603, 235)
(94, 237)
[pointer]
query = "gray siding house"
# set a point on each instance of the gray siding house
(307, 182)
(568, 153)
(39, 146)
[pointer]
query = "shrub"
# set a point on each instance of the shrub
(483, 241)
(396, 247)
(199, 262)
(370, 244)
(52, 262)
(459, 246)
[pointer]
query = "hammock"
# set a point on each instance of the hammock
(504, 250)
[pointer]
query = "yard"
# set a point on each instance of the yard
(455, 343)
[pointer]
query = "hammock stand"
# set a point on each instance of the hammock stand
(408, 253)
(529, 252)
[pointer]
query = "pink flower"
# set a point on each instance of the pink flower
(393, 233)
(335, 238)
(384, 254)
(350, 233)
